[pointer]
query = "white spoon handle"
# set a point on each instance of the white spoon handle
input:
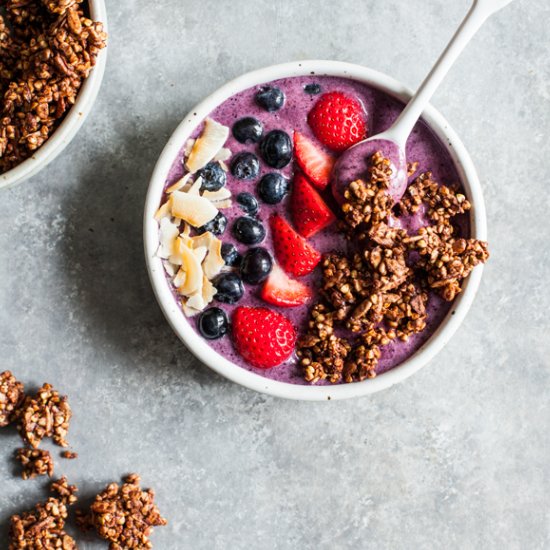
(478, 14)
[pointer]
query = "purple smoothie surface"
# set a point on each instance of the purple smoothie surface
(423, 147)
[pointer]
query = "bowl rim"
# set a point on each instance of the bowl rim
(72, 122)
(175, 316)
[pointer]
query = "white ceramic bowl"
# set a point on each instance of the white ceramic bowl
(74, 119)
(200, 347)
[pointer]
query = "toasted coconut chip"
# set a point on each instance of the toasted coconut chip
(219, 195)
(186, 230)
(180, 184)
(208, 291)
(167, 237)
(196, 187)
(163, 211)
(188, 147)
(214, 262)
(223, 154)
(193, 209)
(193, 273)
(179, 245)
(196, 301)
(207, 146)
(222, 205)
(224, 166)
(200, 253)
(169, 268)
(202, 240)
(179, 279)
(189, 311)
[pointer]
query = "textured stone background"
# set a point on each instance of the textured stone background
(456, 457)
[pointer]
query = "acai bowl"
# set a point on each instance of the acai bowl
(270, 308)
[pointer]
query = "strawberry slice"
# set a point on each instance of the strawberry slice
(309, 211)
(281, 290)
(294, 254)
(316, 164)
(262, 336)
(338, 121)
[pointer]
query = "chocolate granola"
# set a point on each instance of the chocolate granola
(124, 515)
(35, 462)
(45, 415)
(378, 291)
(47, 50)
(11, 396)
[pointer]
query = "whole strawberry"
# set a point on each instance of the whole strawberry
(338, 121)
(262, 336)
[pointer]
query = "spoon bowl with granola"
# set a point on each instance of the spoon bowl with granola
(275, 285)
(53, 61)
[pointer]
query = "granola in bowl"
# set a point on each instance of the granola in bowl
(48, 48)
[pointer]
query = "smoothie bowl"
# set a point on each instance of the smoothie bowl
(287, 286)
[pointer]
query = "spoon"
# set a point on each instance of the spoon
(391, 143)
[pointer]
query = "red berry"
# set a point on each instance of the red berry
(262, 336)
(293, 253)
(316, 164)
(310, 213)
(338, 121)
(280, 290)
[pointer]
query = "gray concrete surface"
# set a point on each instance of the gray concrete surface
(456, 457)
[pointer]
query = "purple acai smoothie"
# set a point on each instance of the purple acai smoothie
(381, 111)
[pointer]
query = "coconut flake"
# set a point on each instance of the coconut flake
(223, 154)
(213, 262)
(163, 211)
(222, 205)
(193, 209)
(188, 147)
(180, 184)
(216, 196)
(207, 146)
(167, 236)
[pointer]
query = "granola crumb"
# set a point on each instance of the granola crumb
(35, 462)
(69, 455)
(41, 527)
(124, 515)
(11, 397)
(45, 415)
(64, 492)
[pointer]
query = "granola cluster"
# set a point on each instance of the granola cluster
(379, 291)
(124, 515)
(47, 414)
(47, 50)
(11, 396)
(44, 525)
(35, 462)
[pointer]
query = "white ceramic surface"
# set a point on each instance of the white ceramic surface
(200, 347)
(76, 116)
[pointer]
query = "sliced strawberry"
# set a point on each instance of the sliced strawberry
(309, 211)
(338, 121)
(281, 290)
(262, 336)
(294, 254)
(316, 164)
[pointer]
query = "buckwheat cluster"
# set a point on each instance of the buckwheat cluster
(35, 462)
(44, 525)
(47, 50)
(11, 396)
(124, 515)
(379, 291)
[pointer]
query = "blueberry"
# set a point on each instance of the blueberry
(229, 288)
(276, 149)
(312, 89)
(270, 98)
(248, 230)
(248, 129)
(248, 203)
(216, 226)
(213, 177)
(245, 166)
(213, 323)
(230, 255)
(256, 265)
(273, 187)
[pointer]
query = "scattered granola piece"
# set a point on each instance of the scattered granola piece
(35, 462)
(43, 527)
(11, 396)
(70, 455)
(65, 492)
(125, 515)
(45, 415)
